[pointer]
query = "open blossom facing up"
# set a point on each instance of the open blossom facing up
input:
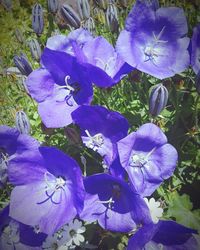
(195, 53)
(113, 203)
(166, 235)
(154, 39)
(155, 210)
(12, 143)
(147, 158)
(101, 129)
(48, 186)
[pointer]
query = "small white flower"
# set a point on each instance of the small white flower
(73, 231)
(56, 241)
(155, 210)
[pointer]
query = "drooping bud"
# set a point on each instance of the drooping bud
(83, 9)
(197, 82)
(52, 6)
(89, 25)
(22, 122)
(69, 15)
(35, 49)
(112, 18)
(102, 3)
(19, 35)
(37, 19)
(72, 135)
(7, 4)
(158, 99)
(22, 63)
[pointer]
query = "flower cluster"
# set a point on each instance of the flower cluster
(51, 199)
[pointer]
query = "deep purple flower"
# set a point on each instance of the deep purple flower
(195, 54)
(154, 39)
(147, 158)
(12, 143)
(113, 203)
(49, 189)
(167, 235)
(59, 88)
(101, 129)
(17, 236)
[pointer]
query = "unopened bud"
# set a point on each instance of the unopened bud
(158, 99)
(22, 122)
(83, 9)
(37, 19)
(19, 35)
(102, 3)
(99, 15)
(72, 135)
(35, 49)
(52, 6)
(22, 63)
(197, 82)
(112, 18)
(89, 25)
(69, 14)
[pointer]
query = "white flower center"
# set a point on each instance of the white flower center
(152, 50)
(11, 233)
(95, 142)
(140, 159)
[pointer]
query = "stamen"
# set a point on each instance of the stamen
(105, 65)
(95, 141)
(139, 160)
(109, 202)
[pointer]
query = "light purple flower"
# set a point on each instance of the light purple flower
(154, 39)
(59, 88)
(101, 129)
(49, 189)
(12, 143)
(167, 235)
(195, 53)
(113, 203)
(147, 158)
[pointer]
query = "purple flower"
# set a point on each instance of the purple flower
(17, 236)
(59, 88)
(113, 203)
(167, 235)
(147, 158)
(105, 66)
(101, 129)
(12, 143)
(154, 39)
(195, 54)
(49, 189)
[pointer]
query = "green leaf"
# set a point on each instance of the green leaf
(180, 208)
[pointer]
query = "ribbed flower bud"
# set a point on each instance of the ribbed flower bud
(99, 15)
(52, 6)
(37, 19)
(70, 15)
(72, 135)
(19, 35)
(102, 3)
(89, 25)
(197, 82)
(35, 49)
(112, 18)
(22, 122)
(158, 99)
(22, 63)
(83, 9)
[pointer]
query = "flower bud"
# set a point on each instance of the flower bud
(102, 3)
(22, 63)
(89, 25)
(69, 14)
(158, 99)
(83, 9)
(19, 35)
(112, 18)
(99, 15)
(35, 49)
(197, 82)
(37, 19)
(7, 4)
(72, 135)
(52, 6)
(22, 122)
